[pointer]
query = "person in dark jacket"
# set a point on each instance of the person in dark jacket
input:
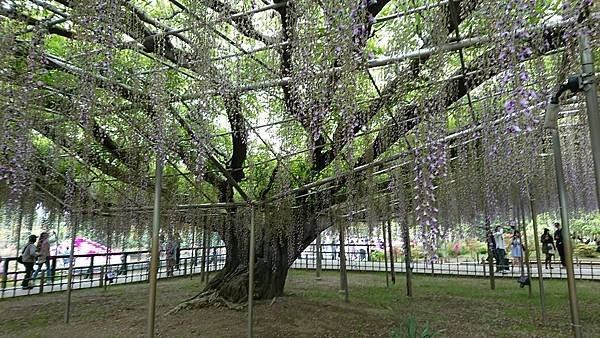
(560, 244)
(548, 247)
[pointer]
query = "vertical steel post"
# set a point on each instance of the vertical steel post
(387, 278)
(392, 258)
(538, 256)
(251, 278)
(155, 247)
(203, 277)
(407, 257)
(193, 261)
(526, 251)
(562, 199)
(15, 278)
(489, 236)
(318, 267)
(70, 273)
(591, 95)
(343, 272)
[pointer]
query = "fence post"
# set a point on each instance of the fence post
(42, 281)
(91, 269)
(53, 267)
(5, 273)
(102, 276)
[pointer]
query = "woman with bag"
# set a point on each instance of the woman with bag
(517, 249)
(27, 258)
(548, 247)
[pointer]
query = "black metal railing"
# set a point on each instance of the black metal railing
(99, 270)
(369, 257)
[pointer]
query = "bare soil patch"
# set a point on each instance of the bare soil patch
(121, 312)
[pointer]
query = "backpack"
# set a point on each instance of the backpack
(20, 258)
(523, 280)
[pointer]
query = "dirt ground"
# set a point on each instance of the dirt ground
(121, 312)
(454, 307)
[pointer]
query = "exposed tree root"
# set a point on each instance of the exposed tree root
(206, 299)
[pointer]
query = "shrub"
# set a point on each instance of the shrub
(416, 252)
(483, 249)
(584, 250)
(377, 256)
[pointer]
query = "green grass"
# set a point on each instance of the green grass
(452, 304)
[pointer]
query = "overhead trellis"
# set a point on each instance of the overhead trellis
(372, 110)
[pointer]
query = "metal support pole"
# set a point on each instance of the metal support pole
(251, 278)
(538, 256)
(70, 273)
(319, 265)
(562, 199)
(526, 247)
(18, 252)
(490, 252)
(193, 261)
(407, 257)
(392, 258)
(387, 278)
(343, 272)
(203, 277)
(591, 96)
(155, 248)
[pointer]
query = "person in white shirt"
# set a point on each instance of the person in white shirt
(500, 250)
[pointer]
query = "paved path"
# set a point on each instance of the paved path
(79, 282)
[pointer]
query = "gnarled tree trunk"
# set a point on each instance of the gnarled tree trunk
(275, 251)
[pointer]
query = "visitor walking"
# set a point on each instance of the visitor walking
(517, 250)
(177, 251)
(28, 260)
(559, 243)
(67, 256)
(43, 256)
(500, 250)
(214, 257)
(123, 268)
(362, 252)
(547, 247)
(333, 248)
(170, 256)
(110, 277)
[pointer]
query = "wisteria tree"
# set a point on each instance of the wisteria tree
(307, 111)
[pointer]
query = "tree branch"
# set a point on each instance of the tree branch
(389, 96)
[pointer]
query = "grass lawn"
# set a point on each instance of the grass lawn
(454, 307)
